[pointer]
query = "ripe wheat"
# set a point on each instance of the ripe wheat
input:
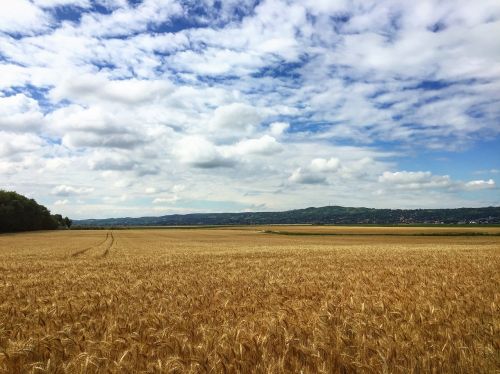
(241, 300)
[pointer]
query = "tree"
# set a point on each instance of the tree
(18, 213)
(59, 219)
(68, 222)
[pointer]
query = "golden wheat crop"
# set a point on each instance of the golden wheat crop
(242, 300)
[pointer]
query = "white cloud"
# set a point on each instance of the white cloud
(97, 89)
(355, 168)
(236, 117)
(278, 128)
(21, 16)
(324, 165)
(12, 75)
(163, 200)
(480, 184)
(11, 144)
(64, 190)
(56, 163)
(94, 127)
(111, 162)
(20, 113)
(127, 20)
(58, 3)
(307, 177)
(115, 199)
(216, 61)
(415, 180)
(81, 140)
(405, 177)
(61, 202)
(265, 146)
(198, 152)
(78, 118)
(426, 180)
(317, 172)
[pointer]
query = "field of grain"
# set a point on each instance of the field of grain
(383, 230)
(243, 300)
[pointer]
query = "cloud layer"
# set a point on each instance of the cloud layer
(272, 104)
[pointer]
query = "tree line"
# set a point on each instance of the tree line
(19, 213)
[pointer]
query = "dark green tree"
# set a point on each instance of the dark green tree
(68, 222)
(59, 219)
(18, 213)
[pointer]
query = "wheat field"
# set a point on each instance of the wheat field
(243, 300)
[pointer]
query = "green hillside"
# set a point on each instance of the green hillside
(322, 215)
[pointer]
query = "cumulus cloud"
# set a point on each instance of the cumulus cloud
(278, 128)
(198, 152)
(91, 88)
(94, 127)
(302, 176)
(81, 139)
(128, 19)
(61, 202)
(64, 190)
(324, 165)
(78, 118)
(265, 146)
(22, 16)
(236, 117)
(316, 172)
(217, 61)
(12, 144)
(480, 184)
(111, 162)
(415, 180)
(58, 3)
(426, 180)
(20, 113)
(356, 167)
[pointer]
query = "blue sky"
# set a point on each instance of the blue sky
(131, 108)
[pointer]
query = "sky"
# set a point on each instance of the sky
(114, 108)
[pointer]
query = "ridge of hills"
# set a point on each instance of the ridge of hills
(312, 215)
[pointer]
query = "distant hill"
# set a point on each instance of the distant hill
(323, 215)
(19, 213)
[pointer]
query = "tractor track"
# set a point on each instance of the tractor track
(106, 251)
(84, 250)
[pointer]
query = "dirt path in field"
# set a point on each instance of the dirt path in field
(85, 250)
(109, 245)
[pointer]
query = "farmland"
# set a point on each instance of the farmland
(251, 299)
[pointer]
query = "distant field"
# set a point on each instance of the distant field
(238, 299)
(383, 230)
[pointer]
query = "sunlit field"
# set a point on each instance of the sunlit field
(252, 299)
